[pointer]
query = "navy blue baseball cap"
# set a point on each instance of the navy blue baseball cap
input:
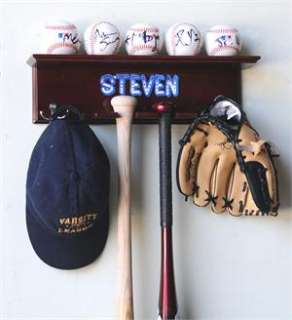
(67, 195)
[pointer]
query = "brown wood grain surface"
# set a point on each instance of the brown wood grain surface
(74, 79)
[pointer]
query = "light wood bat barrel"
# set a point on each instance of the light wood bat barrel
(125, 107)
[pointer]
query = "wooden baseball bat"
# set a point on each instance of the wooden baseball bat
(167, 296)
(125, 107)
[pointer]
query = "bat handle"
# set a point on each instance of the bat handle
(125, 107)
(167, 296)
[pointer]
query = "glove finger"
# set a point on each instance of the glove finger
(237, 193)
(220, 180)
(214, 156)
(187, 162)
(251, 208)
(205, 168)
(185, 170)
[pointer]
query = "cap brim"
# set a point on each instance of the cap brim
(67, 251)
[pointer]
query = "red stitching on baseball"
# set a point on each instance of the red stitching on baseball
(144, 29)
(173, 40)
(224, 31)
(55, 27)
(60, 45)
(91, 38)
(222, 49)
(143, 46)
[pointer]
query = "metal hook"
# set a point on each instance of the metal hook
(42, 114)
(52, 108)
(64, 116)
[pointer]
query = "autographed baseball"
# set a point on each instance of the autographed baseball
(59, 37)
(143, 39)
(223, 40)
(102, 38)
(183, 39)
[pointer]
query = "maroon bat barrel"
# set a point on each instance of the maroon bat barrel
(167, 296)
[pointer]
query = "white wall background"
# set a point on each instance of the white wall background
(226, 268)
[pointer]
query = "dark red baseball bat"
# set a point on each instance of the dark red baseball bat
(167, 296)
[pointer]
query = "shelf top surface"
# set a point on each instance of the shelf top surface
(51, 58)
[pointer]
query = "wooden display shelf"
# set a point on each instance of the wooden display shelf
(74, 80)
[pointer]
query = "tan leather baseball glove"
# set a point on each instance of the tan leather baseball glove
(223, 162)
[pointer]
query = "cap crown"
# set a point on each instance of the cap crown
(68, 177)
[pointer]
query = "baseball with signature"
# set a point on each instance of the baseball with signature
(223, 40)
(183, 39)
(59, 37)
(143, 39)
(102, 38)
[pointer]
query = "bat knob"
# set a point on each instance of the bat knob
(162, 107)
(124, 104)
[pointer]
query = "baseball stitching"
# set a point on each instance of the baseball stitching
(68, 27)
(91, 38)
(142, 46)
(173, 40)
(224, 31)
(215, 50)
(144, 29)
(59, 46)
